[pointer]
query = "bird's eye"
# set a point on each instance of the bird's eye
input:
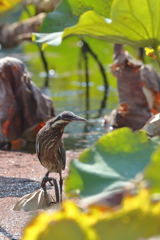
(51, 123)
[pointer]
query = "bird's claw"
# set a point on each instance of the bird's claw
(52, 182)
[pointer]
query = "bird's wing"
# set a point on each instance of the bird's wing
(63, 156)
(38, 150)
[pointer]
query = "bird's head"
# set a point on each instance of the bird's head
(64, 118)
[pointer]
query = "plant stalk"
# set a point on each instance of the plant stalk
(84, 52)
(157, 55)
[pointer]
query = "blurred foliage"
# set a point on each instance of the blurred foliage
(102, 7)
(151, 52)
(29, 11)
(70, 10)
(137, 218)
(138, 214)
(6, 5)
(12, 14)
(151, 172)
(110, 163)
(59, 19)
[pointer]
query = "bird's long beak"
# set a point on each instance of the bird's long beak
(77, 118)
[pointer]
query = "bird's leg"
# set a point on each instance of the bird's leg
(60, 184)
(43, 183)
(52, 182)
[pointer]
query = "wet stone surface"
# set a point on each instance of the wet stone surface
(20, 174)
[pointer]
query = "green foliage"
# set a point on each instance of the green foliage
(127, 26)
(28, 11)
(67, 13)
(102, 7)
(58, 20)
(7, 5)
(137, 217)
(152, 172)
(135, 23)
(110, 163)
(10, 12)
(131, 24)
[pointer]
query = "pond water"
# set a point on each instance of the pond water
(67, 85)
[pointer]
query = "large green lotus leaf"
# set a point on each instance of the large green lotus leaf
(110, 163)
(67, 13)
(58, 20)
(152, 171)
(102, 7)
(133, 23)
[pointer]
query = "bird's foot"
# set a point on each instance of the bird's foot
(52, 182)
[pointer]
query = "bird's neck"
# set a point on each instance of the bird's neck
(57, 132)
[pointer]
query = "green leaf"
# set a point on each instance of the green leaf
(102, 7)
(110, 163)
(131, 24)
(67, 13)
(59, 19)
(134, 23)
(152, 172)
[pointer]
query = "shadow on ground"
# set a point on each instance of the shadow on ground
(17, 187)
(7, 234)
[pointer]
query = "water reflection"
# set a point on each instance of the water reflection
(80, 135)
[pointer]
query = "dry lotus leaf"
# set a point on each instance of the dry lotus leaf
(152, 127)
(33, 201)
(138, 87)
(23, 108)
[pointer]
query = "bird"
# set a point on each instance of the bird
(50, 148)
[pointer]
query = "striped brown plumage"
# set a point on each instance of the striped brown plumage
(49, 145)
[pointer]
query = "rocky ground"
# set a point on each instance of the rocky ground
(20, 173)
